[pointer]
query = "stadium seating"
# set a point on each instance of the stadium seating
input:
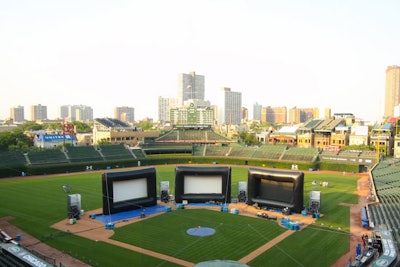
(12, 158)
(387, 186)
(300, 154)
(241, 152)
(217, 151)
(8, 260)
(83, 154)
(48, 156)
(270, 152)
(199, 150)
(115, 152)
(138, 153)
(192, 135)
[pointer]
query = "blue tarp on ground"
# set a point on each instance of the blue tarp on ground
(130, 214)
(206, 204)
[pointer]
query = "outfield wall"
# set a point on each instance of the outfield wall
(16, 171)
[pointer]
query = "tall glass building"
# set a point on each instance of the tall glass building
(17, 114)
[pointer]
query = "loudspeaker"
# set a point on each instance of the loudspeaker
(242, 189)
(74, 206)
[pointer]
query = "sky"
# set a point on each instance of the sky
(105, 54)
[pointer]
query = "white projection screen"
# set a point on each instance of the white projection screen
(202, 184)
(129, 189)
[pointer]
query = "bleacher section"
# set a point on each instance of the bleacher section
(138, 153)
(270, 152)
(300, 154)
(216, 151)
(387, 186)
(242, 152)
(193, 136)
(171, 135)
(48, 156)
(12, 158)
(115, 152)
(8, 260)
(83, 154)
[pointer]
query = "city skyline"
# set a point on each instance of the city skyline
(286, 53)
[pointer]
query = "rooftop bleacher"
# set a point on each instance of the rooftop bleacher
(112, 123)
(311, 124)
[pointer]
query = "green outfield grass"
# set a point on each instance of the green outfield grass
(235, 237)
(36, 204)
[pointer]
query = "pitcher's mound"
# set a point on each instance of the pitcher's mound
(200, 231)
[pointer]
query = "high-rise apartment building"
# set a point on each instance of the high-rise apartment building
(75, 113)
(257, 111)
(125, 114)
(17, 114)
(230, 110)
(190, 86)
(64, 112)
(392, 92)
(165, 104)
(274, 114)
(38, 112)
(84, 114)
(299, 115)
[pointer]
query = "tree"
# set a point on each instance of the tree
(55, 126)
(30, 126)
(104, 141)
(82, 127)
(14, 140)
(247, 138)
(145, 125)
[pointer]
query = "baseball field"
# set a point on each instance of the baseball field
(37, 203)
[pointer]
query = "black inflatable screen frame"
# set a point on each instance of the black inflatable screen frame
(254, 184)
(223, 171)
(108, 178)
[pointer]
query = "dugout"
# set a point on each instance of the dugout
(276, 188)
